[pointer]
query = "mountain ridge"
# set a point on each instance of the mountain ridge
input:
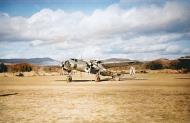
(35, 61)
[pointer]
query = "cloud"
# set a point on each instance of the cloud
(36, 42)
(105, 32)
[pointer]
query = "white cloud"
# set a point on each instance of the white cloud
(173, 49)
(36, 42)
(104, 33)
(186, 51)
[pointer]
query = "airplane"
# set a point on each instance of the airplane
(92, 67)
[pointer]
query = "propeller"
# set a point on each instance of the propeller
(89, 67)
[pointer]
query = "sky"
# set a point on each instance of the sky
(95, 29)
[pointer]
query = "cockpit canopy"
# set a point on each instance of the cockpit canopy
(74, 59)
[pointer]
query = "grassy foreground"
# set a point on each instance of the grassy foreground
(148, 98)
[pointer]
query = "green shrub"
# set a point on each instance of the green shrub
(3, 68)
(153, 65)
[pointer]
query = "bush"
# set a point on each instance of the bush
(175, 64)
(153, 65)
(22, 67)
(185, 64)
(20, 74)
(3, 68)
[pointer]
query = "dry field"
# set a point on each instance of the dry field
(149, 98)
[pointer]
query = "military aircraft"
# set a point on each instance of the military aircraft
(92, 67)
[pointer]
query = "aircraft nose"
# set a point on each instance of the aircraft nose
(67, 64)
(62, 64)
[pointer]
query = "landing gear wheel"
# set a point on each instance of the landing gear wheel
(97, 78)
(69, 79)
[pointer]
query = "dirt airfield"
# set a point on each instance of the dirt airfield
(148, 98)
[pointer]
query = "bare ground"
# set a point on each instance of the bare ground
(148, 98)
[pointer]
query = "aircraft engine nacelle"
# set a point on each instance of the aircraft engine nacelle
(75, 64)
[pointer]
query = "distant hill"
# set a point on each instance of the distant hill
(117, 60)
(164, 62)
(187, 57)
(34, 61)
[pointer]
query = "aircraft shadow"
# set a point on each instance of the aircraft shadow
(124, 79)
(9, 94)
(106, 79)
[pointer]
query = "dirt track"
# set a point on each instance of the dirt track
(152, 98)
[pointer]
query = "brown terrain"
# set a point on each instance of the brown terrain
(151, 97)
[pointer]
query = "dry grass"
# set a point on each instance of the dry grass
(149, 98)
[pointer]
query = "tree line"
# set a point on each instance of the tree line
(23, 67)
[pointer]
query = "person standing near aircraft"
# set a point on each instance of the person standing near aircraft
(132, 71)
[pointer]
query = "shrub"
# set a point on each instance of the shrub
(3, 68)
(154, 65)
(22, 67)
(175, 64)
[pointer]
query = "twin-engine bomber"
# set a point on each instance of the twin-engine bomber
(92, 67)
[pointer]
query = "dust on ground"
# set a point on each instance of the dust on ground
(148, 98)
